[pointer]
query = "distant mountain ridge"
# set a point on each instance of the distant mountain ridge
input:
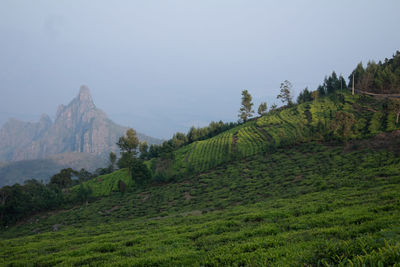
(79, 127)
(81, 136)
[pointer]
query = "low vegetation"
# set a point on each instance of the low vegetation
(312, 183)
(312, 204)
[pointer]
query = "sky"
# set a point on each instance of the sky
(163, 66)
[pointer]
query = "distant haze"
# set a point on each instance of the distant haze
(162, 66)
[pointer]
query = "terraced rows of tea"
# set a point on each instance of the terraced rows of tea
(286, 127)
(311, 205)
(209, 153)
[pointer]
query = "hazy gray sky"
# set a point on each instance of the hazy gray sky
(162, 66)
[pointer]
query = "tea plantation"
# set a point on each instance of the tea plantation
(312, 204)
(310, 121)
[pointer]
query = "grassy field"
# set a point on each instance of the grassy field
(312, 204)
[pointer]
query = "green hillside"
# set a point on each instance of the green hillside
(311, 204)
(105, 185)
(306, 122)
(313, 184)
(310, 121)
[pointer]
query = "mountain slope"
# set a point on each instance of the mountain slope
(81, 136)
(341, 116)
(302, 206)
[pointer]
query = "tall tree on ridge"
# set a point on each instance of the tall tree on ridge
(245, 111)
(285, 93)
(262, 109)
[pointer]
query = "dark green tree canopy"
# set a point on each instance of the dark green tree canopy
(380, 78)
(143, 149)
(63, 179)
(331, 84)
(304, 96)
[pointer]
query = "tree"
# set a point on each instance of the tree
(332, 83)
(154, 151)
(125, 160)
(315, 95)
(285, 93)
(304, 96)
(178, 140)
(143, 149)
(321, 90)
(63, 179)
(262, 109)
(139, 171)
(246, 112)
(83, 193)
(112, 158)
(83, 175)
(129, 142)
(358, 73)
(128, 145)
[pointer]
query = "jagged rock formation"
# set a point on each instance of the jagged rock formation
(78, 127)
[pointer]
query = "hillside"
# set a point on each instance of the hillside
(340, 117)
(279, 209)
(299, 186)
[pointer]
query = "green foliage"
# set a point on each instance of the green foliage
(105, 185)
(246, 110)
(143, 149)
(129, 142)
(310, 205)
(381, 77)
(286, 93)
(262, 109)
(139, 171)
(83, 193)
(19, 201)
(343, 124)
(304, 96)
(332, 84)
(339, 116)
(63, 179)
(125, 161)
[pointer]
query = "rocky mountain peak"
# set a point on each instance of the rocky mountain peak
(85, 96)
(78, 127)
